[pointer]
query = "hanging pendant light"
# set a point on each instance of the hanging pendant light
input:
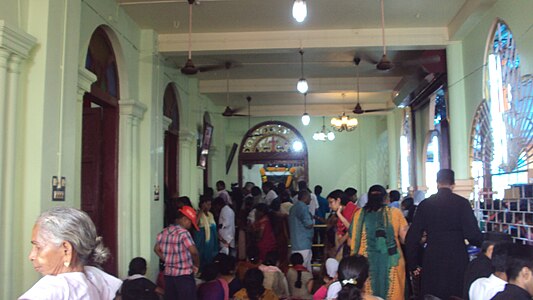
(302, 85)
(306, 119)
(299, 10)
(323, 134)
(344, 122)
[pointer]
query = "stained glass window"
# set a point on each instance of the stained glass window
(273, 138)
(502, 141)
(405, 151)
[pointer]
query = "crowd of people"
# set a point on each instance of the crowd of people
(257, 243)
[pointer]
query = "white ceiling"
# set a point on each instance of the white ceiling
(262, 40)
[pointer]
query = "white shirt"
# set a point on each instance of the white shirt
(271, 195)
(226, 222)
(224, 195)
(333, 290)
(485, 288)
(91, 284)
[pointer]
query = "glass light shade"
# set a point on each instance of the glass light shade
(336, 122)
(352, 122)
(306, 119)
(302, 86)
(299, 10)
(331, 136)
(344, 123)
(297, 146)
(319, 136)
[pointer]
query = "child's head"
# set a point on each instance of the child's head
(352, 274)
(253, 283)
(210, 272)
(186, 216)
(296, 259)
(271, 258)
(137, 266)
(226, 264)
(332, 265)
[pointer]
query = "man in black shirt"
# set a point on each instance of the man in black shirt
(448, 220)
(520, 274)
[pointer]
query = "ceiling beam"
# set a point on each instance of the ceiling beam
(397, 38)
(468, 17)
(367, 84)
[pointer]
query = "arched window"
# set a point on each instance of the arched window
(406, 151)
(436, 152)
(502, 137)
(274, 151)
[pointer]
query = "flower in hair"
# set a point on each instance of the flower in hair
(352, 281)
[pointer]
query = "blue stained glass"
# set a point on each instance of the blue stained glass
(111, 80)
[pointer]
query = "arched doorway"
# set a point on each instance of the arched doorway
(170, 110)
(274, 151)
(99, 173)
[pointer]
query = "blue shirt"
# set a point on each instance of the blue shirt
(323, 208)
(300, 227)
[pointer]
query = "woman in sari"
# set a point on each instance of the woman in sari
(376, 232)
(264, 234)
(206, 238)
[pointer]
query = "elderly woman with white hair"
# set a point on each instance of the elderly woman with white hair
(65, 250)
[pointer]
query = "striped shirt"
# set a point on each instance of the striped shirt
(174, 241)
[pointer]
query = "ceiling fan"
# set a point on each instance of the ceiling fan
(189, 68)
(358, 110)
(228, 111)
(384, 64)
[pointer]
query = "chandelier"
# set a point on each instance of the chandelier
(323, 135)
(344, 122)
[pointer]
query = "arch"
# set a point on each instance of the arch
(99, 171)
(501, 137)
(273, 142)
(171, 142)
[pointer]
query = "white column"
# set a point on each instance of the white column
(131, 113)
(393, 130)
(15, 45)
(4, 56)
(187, 140)
(459, 131)
(8, 176)
(85, 80)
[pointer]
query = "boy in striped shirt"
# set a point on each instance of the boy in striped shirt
(175, 246)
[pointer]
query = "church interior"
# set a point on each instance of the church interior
(115, 106)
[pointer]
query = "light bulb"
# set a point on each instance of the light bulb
(302, 86)
(297, 146)
(331, 136)
(306, 119)
(299, 10)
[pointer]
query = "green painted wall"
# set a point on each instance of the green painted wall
(352, 159)
(49, 120)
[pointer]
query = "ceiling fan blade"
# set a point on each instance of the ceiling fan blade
(377, 110)
(208, 68)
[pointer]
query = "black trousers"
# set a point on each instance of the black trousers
(180, 287)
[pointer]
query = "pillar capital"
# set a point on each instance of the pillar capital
(187, 136)
(16, 40)
(132, 108)
(85, 80)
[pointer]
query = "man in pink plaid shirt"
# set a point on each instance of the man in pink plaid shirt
(175, 246)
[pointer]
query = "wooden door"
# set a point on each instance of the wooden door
(91, 160)
(99, 174)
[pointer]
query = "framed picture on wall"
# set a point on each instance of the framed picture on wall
(203, 151)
